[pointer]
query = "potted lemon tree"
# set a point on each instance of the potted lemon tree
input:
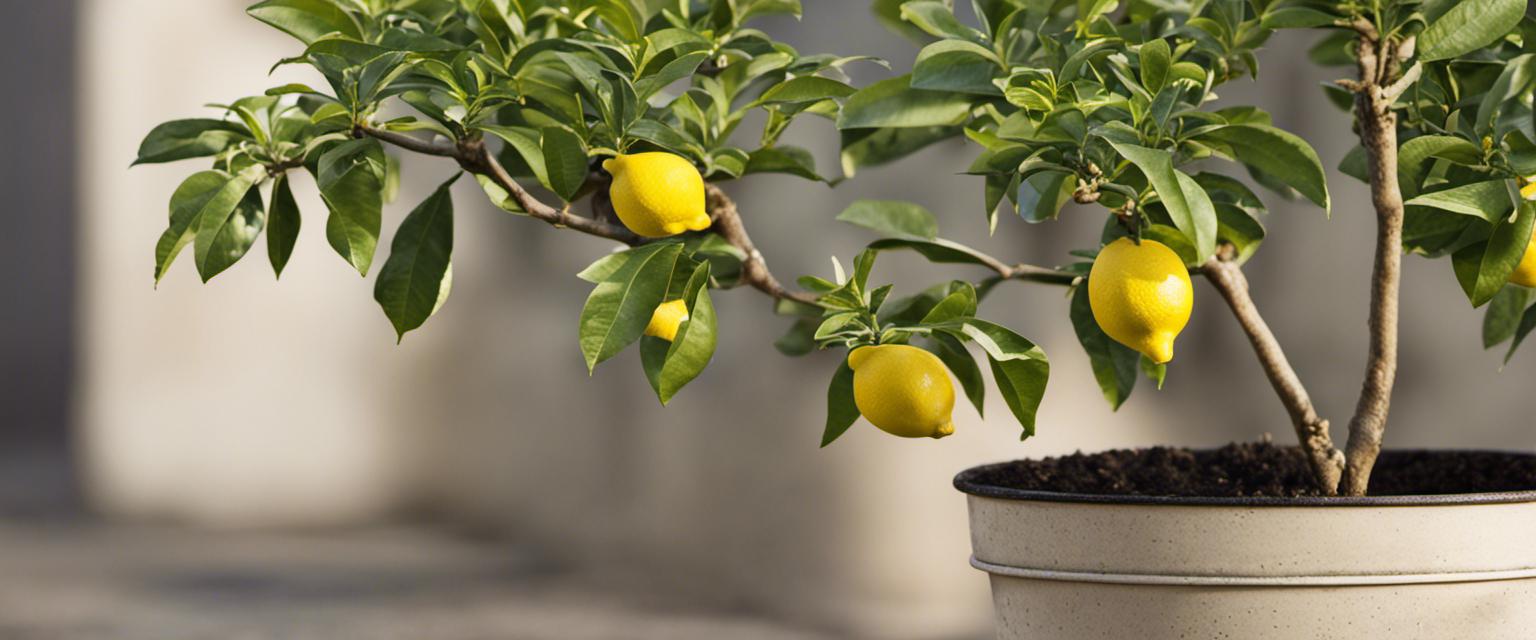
(634, 108)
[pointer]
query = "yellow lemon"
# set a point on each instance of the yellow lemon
(1525, 273)
(903, 390)
(657, 194)
(666, 319)
(1141, 296)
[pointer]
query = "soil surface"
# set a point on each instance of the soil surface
(1255, 470)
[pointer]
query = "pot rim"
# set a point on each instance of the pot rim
(966, 482)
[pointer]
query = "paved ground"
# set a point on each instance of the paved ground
(65, 580)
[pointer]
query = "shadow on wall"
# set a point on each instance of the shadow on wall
(248, 403)
(37, 57)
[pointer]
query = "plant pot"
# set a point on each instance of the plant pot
(1074, 566)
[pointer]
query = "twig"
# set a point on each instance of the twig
(1311, 430)
(754, 270)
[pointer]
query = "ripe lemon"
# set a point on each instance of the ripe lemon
(1141, 296)
(657, 194)
(903, 390)
(1525, 273)
(666, 319)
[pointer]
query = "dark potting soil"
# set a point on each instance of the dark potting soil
(1254, 470)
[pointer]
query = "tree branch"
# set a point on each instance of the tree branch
(1378, 134)
(475, 158)
(1311, 430)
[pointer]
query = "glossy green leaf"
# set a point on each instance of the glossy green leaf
(1296, 18)
(1155, 58)
(937, 19)
(415, 280)
(894, 103)
(1413, 156)
(1488, 200)
(351, 179)
(228, 223)
(805, 89)
(1503, 316)
(794, 161)
(959, 305)
(565, 158)
(1527, 324)
(1019, 368)
(872, 147)
(186, 203)
(957, 65)
(283, 222)
(192, 138)
(673, 366)
(1042, 195)
(1469, 26)
(307, 20)
(1113, 364)
(1278, 153)
(621, 305)
(526, 143)
(1483, 269)
(1187, 203)
(842, 411)
(892, 218)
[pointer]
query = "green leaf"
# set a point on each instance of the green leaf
(307, 20)
(283, 223)
(842, 412)
(1503, 317)
(1019, 368)
(1157, 373)
(228, 223)
(1114, 364)
(1278, 153)
(1412, 156)
(872, 147)
(1527, 324)
(957, 65)
(1483, 269)
(351, 179)
(1156, 57)
(1488, 200)
(936, 19)
(1469, 26)
(415, 280)
(192, 138)
(669, 366)
(186, 203)
(566, 161)
(893, 102)
(952, 352)
(784, 159)
(892, 218)
(937, 250)
(620, 306)
(1042, 195)
(527, 143)
(1296, 18)
(805, 89)
(1187, 203)
(957, 306)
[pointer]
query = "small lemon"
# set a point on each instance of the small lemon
(903, 390)
(1525, 273)
(657, 194)
(666, 319)
(1141, 296)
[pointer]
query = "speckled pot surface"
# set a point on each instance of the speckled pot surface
(1071, 567)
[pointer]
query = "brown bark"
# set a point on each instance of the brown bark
(1311, 430)
(1375, 93)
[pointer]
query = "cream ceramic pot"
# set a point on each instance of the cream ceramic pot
(1074, 567)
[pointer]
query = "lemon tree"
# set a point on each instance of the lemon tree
(625, 119)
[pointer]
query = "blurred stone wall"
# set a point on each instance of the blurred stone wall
(252, 403)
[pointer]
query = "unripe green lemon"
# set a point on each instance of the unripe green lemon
(657, 194)
(1525, 273)
(666, 319)
(1141, 296)
(903, 390)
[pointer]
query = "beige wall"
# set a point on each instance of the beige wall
(251, 403)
